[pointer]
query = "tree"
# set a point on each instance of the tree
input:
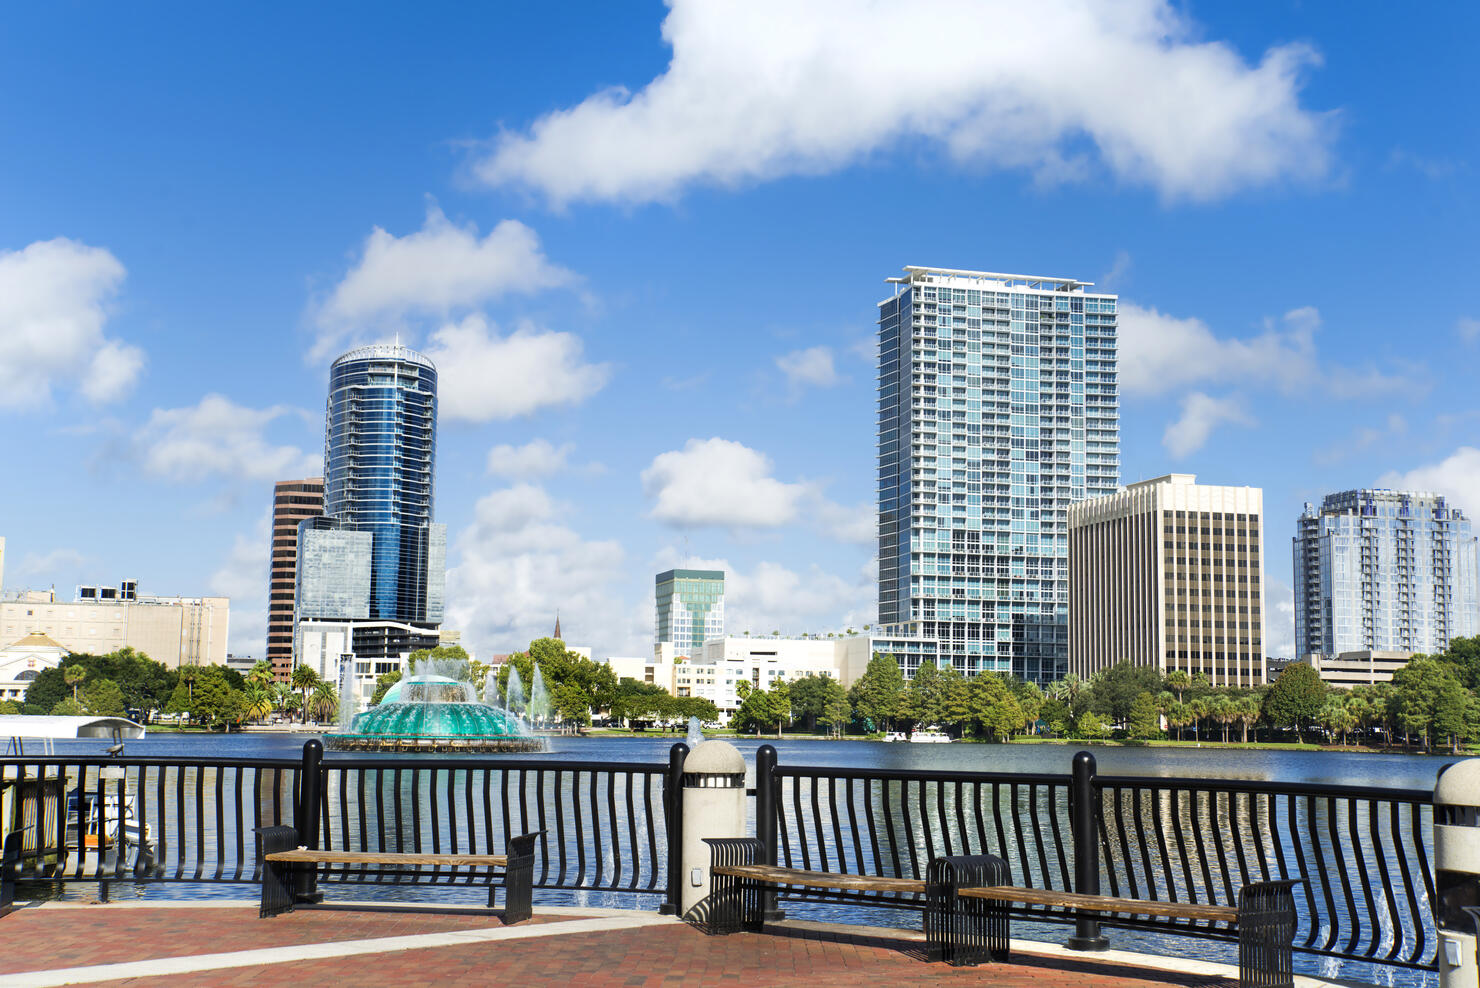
(383, 683)
(571, 704)
(877, 693)
(1464, 655)
(304, 679)
(103, 698)
(1031, 699)
(260, 673)
(1429, 700)
(208, 697)
(558, 667)
(324, 702)
(74, 675)
(993, 706)
(1113, 690)
(1143, 724)
(955, 699)
(1089, 726)
(258, 700)
(923, 700)
(1178, 682)
(1295, 698)
(809, 697)
(836, 711)
(67, 707)
(447, 660)
(1248, 712)
(760, 708)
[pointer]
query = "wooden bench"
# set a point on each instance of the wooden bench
(966, 900)
(282, 861)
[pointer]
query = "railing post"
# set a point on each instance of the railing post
(765, 824)
(310, 794)
(673, 822)
(1082, 801)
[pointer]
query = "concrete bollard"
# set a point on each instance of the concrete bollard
(713, 806)
(1457, 870)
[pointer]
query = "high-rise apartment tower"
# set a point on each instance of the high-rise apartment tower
(292, 502)
(691, 609)
(997, 409)
(1169, 573)
(1383, 570)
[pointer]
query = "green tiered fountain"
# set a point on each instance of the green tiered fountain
(430, 713)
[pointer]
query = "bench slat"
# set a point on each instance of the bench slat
(821, 879)
(304, 856)
(1103, 903)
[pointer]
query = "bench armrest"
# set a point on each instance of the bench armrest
(522, 847)
(734, 851)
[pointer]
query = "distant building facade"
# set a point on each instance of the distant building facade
(22, 661)
(371, 572)
(690, 609)
(1169, 573)
(1362, 668)
(1384, 571)
(997, 409)
(292, 502)
(173, 630)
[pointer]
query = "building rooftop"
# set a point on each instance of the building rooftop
(998, 279)
(389, 351)
(38, 640)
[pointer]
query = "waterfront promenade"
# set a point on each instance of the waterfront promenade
(214, 943)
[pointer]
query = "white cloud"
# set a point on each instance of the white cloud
(1161, 353)
(70, 564)
(858, 524)
(1279, 625)
(220, 437)
(770, 596)
(1201, 414)
(516, 566)
(439, 270)
(720, 482)
(812, 367)
(1468, 329)
(1119, 269)
(242, 576)
(537, 458)
(769, 88)
(54, 297)
(482, 376)
(1457, 477)
(1364, 438)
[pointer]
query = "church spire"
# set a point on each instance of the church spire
(557, 627)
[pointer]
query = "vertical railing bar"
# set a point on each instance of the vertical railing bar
(1296, 832)
(839, 848)
(1103, 833)
(851, 798)
(1209, 888)
(1215, 824)
(1037, 832)
(1353, 823)
(1414, 908)
(200, 820)
(1158, 826)
(1116, 795)
(575, 801)
(801, 822)
(1256, 801)
(1139, 819)
(614, 826)
(1002, 846)
(1236, 832)
(162, 843)
(1334, 925)
(877, 865)
(783, 830)
(1374, 831)
(539, 803)
(922, 801)
(655, 872)
(890, 838)
(1058, 836)
(489, 847)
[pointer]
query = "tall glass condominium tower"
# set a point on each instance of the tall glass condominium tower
(690, 609)
(1383, 570)
(997, 408)
(380, 448)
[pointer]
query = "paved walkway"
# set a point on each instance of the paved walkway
(207, 944)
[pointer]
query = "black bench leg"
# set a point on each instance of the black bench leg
(277, 877)
(733, 903)
(9, 866)
(518, 880)
(965, 931)
(1266, 928)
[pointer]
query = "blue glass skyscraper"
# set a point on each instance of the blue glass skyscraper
(380, 451)
(997, 408)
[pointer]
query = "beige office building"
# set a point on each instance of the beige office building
(292, 502)
(1169, 573)
(173, 630)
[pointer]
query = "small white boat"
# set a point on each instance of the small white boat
(896, 736)
(929, 737)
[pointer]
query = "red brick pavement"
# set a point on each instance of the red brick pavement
(652, 956)
(36, 939)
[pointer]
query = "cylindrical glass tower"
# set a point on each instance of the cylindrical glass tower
(380, 447)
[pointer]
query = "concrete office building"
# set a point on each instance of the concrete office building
(997, 409)
(371, 572)
(174, 630)
(690, 610)
(1385, 571)
(293, 501)
(1169, 573)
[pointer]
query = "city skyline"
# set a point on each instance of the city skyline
(182, 251)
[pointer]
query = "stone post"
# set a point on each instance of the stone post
(1457, 871)
(713, 806)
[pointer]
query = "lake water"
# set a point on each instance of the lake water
(1343, 768)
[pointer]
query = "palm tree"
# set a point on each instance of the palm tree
(74, 675)
(1248, 713)
(304, 680)
(259, 701)
(325, 701)
(260, 673)
(1178, 681)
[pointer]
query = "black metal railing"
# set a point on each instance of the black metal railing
(1364, 853)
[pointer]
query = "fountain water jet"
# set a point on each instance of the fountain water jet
(436, 713)
(514, 692)
(347, 701)
(539, 699)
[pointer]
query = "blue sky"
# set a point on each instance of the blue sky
(645, 243)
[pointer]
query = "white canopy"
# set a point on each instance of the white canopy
(21, 726)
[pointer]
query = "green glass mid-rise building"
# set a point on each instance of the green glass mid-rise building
(691, 609)
(997, 409)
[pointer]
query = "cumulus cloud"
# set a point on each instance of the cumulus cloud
(516, 565)
(54, 297)
(71, 564)
(218, 437)
(812, 367)
(767, 88)
(537, 458)
(242, 576)
(1201, 414)
(483, 376)
(1457, 477)
(439, 270)
(1364, 438)
(720, 482)
(1279, 625)
(1160, 353)
(858, 524)
(1468, 329)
